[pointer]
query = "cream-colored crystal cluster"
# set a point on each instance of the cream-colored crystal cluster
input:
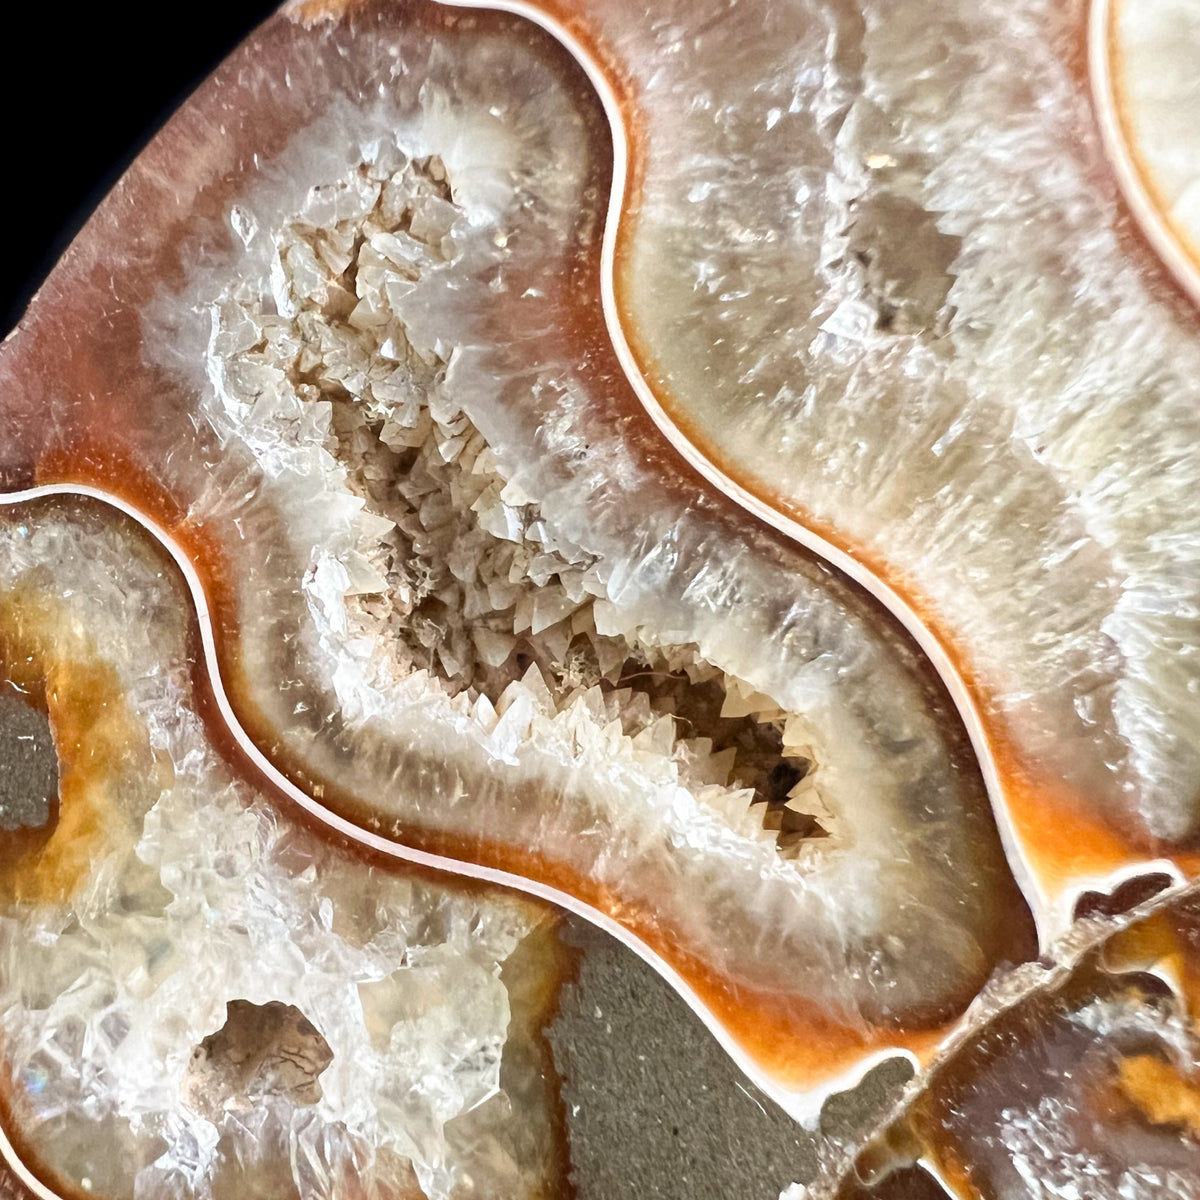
(672, 708)
(1036, 393)
(457, 577)
(219, 1003)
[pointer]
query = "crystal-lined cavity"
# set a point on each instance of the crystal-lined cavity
(357, 367)
(498, 623)
(995, 412)
(185, 966)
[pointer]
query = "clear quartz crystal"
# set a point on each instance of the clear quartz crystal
(484, 550)
(207, 999)
(1010, 426)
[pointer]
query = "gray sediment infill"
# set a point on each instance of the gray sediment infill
(656, 1110)
(28, 765)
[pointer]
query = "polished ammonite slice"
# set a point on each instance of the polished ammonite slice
(340, 529)
(356, 369)
(201, 992)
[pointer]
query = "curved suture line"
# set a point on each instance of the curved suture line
(1052, 911)
(25, 1177)
(1111, 110)
(803, 1105)
(1041, 982)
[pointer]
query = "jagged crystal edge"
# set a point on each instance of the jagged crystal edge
(1004, 478)
(204, 894)
(664, 585)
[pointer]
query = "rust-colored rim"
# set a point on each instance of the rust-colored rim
(1107, 69)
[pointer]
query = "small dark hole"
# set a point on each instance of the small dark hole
(784, 776)
(1128, 895)
(263, 1052)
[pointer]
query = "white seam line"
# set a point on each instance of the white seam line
(1052, 915)
(1102, 19)
(803, 1105)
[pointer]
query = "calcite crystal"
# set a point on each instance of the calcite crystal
(1002, 435)
(199, 995)
(1099, 1083)
(1083, 1080)
(726, 470)
(463, 595)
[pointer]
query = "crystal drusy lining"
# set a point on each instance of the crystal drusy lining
(344, 556)
(202, 996)
(943, 235)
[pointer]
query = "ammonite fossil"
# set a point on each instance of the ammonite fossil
(725, 470)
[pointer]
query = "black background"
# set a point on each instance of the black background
(83, 88)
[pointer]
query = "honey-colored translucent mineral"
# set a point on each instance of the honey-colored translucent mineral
(200, 995)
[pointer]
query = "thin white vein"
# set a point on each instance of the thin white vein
(1052, 909)
(804, 1105)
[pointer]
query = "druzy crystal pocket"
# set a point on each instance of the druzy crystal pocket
(880, 284)
(202, 996)
(834, 702)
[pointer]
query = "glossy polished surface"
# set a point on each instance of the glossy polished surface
(334, 361)
(725, 471)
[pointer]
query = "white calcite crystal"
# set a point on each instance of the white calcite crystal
(881, 272)
(199, 997)
(514, 632)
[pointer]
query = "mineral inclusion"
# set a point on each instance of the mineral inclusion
(791, 567)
